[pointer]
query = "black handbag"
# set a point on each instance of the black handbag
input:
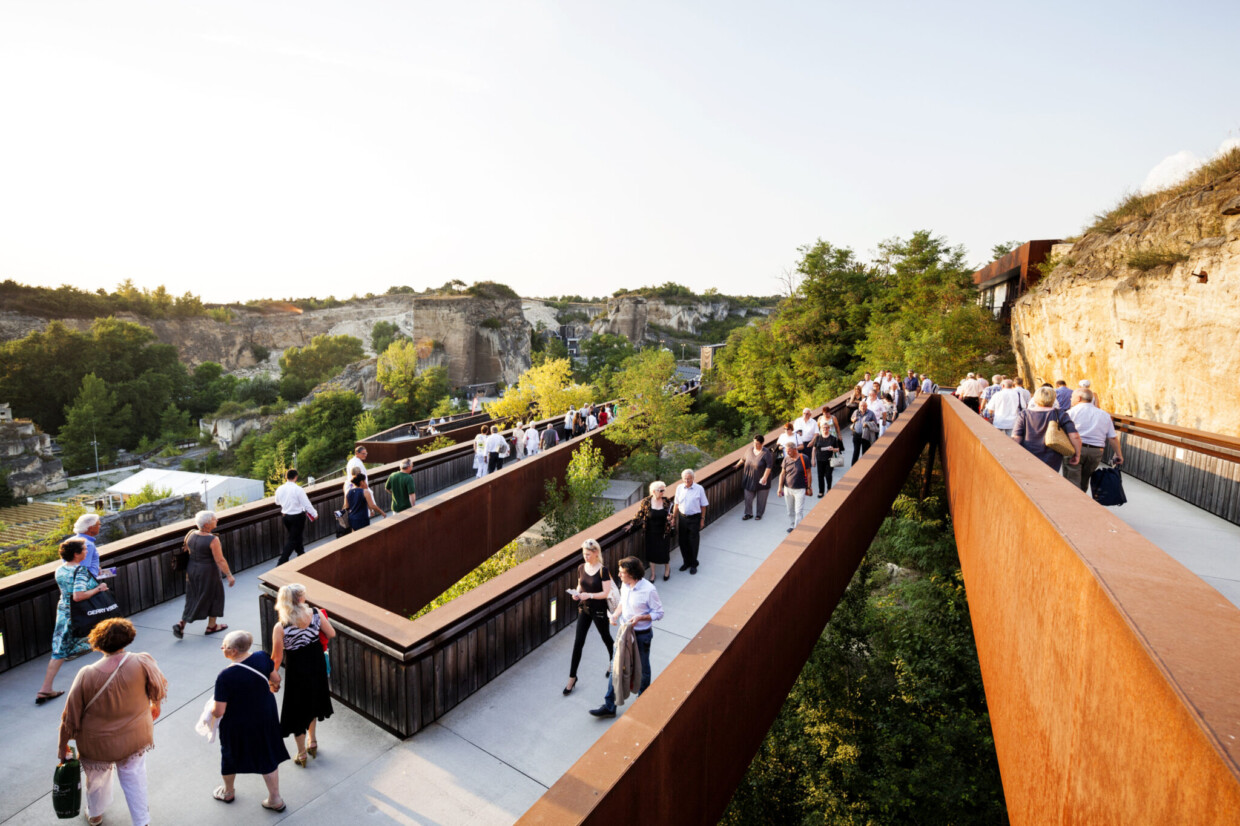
(1107, 485)
(180, 557)
(84, 615)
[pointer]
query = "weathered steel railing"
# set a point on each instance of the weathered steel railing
(398, 442)
(405, 674)
(251, 534)
(1199, 467)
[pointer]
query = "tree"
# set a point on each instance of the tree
(653, 414)
(1000, 250)
(302, 368)
(548, 386)
(577, 504)
(553, 350)
(42, 372)
(604, 351)
(174, 424)
(93, 416)
(383, 334)
(414, 393)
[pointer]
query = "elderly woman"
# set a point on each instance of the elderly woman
(652, 519)
(249, 727)
(360, 503)
(865, 429)
(1031, 425)
(639, 605)
(76, 583)
(593, 585)
(110, 712)
(518, 442)
(295, 643)
(480, 452)
(825, 447)
(204, 593)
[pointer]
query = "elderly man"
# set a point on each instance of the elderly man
(86, 528)
(356, 463)
(1004, 406)
(294, 508)
(1096, 429)
(794, 485)
(689, 515)
(970, 392)
(400, 486)
(806, 428)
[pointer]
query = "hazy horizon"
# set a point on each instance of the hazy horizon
(244, 151)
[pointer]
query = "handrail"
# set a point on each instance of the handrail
(1198, 441)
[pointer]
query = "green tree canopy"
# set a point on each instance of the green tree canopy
(301, 368)
(653, 415)
(93, 416)
(383, 334)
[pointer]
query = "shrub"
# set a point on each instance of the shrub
(492, 323)
(491, 289)
(148, 493)
(259, 352)
(438, 443)
(574, 506)
(1155, 257)
(506, 559)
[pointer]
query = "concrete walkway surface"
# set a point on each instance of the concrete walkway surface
(485, 762)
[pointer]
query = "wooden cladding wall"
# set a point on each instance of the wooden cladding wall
(1208, 482)
(441, 659)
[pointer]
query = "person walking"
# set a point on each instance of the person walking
(295, 645)
(76, 583)
(1004, 406)
(531, 440)
(1031, 425)
(295, 507)
(86, 528)
(360, 504)
(204, 593)
(794, 485)
(518, 442)
(401, 488)
(653, 518)
(1063, 395)
(550, 437)
(110, 713)
(1095, 428)
(249, 726)
(970, 392)
(864, 430)
(757, 464)
(480, 452)
(356, 464)
(689, 516)
(827, 446)
(495, 447)
(594, 584)
(639, 606)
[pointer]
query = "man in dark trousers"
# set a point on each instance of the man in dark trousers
(294, 508)
(690, 514)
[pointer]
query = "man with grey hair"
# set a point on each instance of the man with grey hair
(86, 528)
(400, 486)
(689, 515)
(1004, 406)
(1096, 429)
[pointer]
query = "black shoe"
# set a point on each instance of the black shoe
(568, 689)
(757, 517)
(693, 570)
(178, 630)
(821, 495)
(746, 516)
(684, 567)
(602, 711)
(790, 530)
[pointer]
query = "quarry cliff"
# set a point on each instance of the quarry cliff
(1148, 309)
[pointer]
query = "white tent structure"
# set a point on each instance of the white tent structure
(210, 487)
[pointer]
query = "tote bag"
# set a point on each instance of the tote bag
(86, 614)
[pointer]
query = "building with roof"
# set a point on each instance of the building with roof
(212, 488)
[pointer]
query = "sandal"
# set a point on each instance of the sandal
(178, 630)
(312, 749)
(95, 821)
(223, 796)
(276, 809)
(300, 760)
(43, 696)
(215, 629)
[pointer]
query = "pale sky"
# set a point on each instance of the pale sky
(245, 149)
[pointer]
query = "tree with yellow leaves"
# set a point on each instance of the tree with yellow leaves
(549, 386)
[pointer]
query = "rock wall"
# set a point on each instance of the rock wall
(148, 517)
(1158, 344)
(227, 433)
(26, 458)
(631, 316)
(484, 340)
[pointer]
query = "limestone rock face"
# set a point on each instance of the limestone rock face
(1178, 361)
(631, 316)
(627, 316)
(360, 377)
(26, 457)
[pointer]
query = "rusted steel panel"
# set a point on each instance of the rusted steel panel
(1111, 671)
(686, 743)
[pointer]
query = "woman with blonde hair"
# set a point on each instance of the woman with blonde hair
(593, 585)
(295, 643)
(110, 713)
(1032, 423)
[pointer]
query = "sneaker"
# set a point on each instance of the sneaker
(602, 711)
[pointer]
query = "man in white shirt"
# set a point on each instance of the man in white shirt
(495, 445)
(1095, 429)
(927, 384)
(970, 392)
(1025, 395)
(866, 385)
(1004, 406)
(591, 421)
(689, 515)
(356, 463)
(640, 606)
(806, 427)
(568, 418)
(294, 508)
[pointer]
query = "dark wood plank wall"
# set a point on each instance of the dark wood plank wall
(1208, 482)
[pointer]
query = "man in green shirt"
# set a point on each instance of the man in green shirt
(400, 485)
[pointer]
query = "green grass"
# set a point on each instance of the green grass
(1134, 206)
(1155, 257)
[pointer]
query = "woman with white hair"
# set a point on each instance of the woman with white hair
(295, 643)
(249, 727)
(204, 593)
(652, 519)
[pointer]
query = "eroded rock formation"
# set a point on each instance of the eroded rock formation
(1157, 340)
(26, 458)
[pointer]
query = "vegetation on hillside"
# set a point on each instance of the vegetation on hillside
(576, 504)
(888, 721)
(1136, 206)
(301, 368)
(672, 293)
(66, 301)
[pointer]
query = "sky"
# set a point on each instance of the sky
(241, 149)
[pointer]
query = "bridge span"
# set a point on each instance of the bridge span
(1110, 668)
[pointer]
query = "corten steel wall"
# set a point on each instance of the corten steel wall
(1199, 467)
(250, 535)
(381, 448)
(678, 753)
(405, 674)
(1111, 671)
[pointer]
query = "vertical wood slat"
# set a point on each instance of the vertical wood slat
(1207, 482)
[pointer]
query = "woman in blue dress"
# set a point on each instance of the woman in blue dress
(76, 583)
(249, 725)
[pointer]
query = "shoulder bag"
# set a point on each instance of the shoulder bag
(1056, 439)
(180, 556)
(84, 615)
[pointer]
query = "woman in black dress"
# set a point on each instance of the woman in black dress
(249, 727)
(204, 593)
(593, 585)
(827, 445)
(295, 643)
(652, 517)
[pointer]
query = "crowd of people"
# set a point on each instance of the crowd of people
(492, 448)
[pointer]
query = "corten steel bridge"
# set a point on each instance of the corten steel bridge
(1110, 669)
